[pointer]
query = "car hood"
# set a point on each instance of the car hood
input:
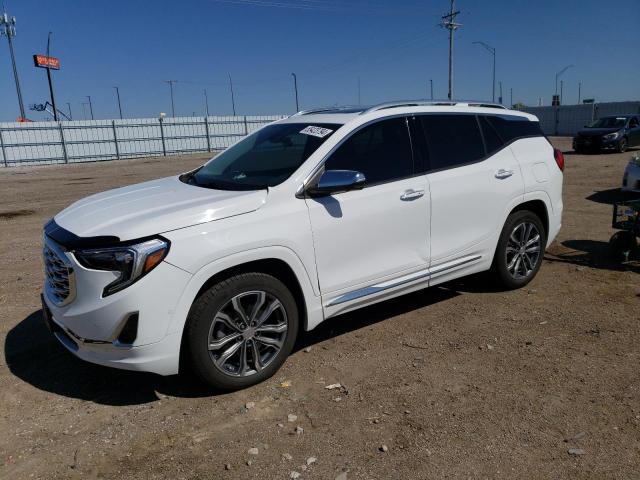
(154, 207)
(597, 131)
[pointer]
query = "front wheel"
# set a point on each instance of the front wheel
(622, 145)
(520, 250)
(241, 330)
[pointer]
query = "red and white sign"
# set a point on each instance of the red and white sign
(43, 61)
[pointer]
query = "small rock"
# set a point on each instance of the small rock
(249, 405)
(281, 425)
(291, 417)
(543, 323)
(253, 451)
(307, 350)
(227, 466)
(294, 475)
(576, 451)
(384, 448)
(249, 462)
(303, 468)
(342, 476)
(376, 420)
(333, 386)
(337, 399)
(489, 347)
(287, 456)
(407, 412)
(311, 460)
(299, 430)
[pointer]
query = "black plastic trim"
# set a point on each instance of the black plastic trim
(72, 241)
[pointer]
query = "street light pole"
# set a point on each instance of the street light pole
(511, 97)
(491, 50)
(69, 107)
(8, 28)
(431, 82)
(206, 103)
(53, 98)
(560, 73)
(579, 92)
(90, 106)
(500, 97)
(295, 87)
(119, 105)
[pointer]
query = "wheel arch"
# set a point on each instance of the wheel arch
(537, 206)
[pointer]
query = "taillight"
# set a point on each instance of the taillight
(559, 156)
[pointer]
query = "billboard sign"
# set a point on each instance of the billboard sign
(43, 61)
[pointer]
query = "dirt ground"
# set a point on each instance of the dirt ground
(458, 381)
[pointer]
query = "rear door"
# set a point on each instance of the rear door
(472, 179)
(634, 132)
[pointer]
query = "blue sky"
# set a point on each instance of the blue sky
(395, 47)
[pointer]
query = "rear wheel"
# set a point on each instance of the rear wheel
(623, 246)
(520, 250)
(241, 330)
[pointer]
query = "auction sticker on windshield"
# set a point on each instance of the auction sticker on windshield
(316, 131)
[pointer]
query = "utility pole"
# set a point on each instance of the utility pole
(579, 92)
(173, 109)
(431, 82)
(90, 106)
(359, 95)
(560, 73)
(561, 85)
(500, 97)
(448, 22)
(119, 105)
(491, 50)
(84, 110)
(53, 98)
(8, 28)
(69, 107)
(295, 88)
(206, 103)
(233, 100)
(511, 97)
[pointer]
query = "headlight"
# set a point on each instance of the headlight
(611, 136)
(130, 262)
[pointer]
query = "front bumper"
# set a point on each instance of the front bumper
(91, 326)
(593, 143)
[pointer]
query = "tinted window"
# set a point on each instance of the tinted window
(381, 151)
(510, 128)
(492, 141)
(263, 159)
(452, 140)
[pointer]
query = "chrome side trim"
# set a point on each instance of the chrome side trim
(366, 291)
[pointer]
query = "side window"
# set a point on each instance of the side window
(452, 140)
(633, 123)
(381, 151)
(492, 141)
(510, 128)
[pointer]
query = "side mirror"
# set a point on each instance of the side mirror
(336, 181)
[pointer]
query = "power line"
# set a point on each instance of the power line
(448, 22)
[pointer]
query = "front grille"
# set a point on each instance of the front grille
(59, 284)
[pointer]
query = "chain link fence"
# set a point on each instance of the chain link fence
(41, 143)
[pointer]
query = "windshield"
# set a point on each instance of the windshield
(609, 122)
(263, 159)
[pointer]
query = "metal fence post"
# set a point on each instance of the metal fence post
(63, 143)
(164, 147)
(115, 139)
(4, 152)
(246, 128)
(206, 128)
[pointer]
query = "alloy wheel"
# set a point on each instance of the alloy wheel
(523, 250)
(247, 333)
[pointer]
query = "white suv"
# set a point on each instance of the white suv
(309, 217)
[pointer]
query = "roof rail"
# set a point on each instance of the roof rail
(418, 103)
(325, 109)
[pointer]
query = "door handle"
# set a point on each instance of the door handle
(502, 173)
(411, 194)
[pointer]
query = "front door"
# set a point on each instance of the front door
(380, 232)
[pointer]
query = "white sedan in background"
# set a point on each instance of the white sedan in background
(631, 177)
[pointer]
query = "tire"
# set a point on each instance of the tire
(623, 246)
(507, 270)
(225, 319)
(622, 145)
